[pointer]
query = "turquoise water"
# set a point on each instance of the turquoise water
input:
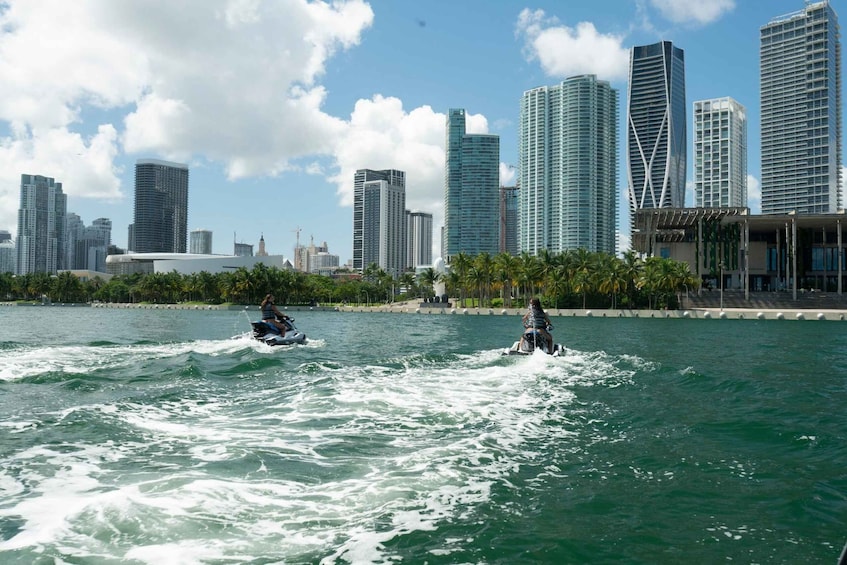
(158, 437)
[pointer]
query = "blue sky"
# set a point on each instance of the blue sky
(274, 104)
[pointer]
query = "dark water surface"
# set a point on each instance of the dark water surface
(158, 437)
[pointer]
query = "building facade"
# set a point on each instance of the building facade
(384, 226)
(201, 242)
(87, 246)
(393, 178)
(419, 238)
(568, 167)
(161, 207)
(509, 202)
(8, 256)
(656, 127)
(800, 77)
(41, 226)
(720, 153)
(471, 190)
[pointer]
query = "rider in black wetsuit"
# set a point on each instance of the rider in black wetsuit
(538, 319)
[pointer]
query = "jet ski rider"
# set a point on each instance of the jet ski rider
(270, 313)
(538, 319)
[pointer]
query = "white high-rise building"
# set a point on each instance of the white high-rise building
(720, 153)
(384, 226)
(800, 76)
(41, 226)
(393, 178)
(568, 196)
(419, 235)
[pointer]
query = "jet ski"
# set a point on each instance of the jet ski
(533, 339)
(267, 332)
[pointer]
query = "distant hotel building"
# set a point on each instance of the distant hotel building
(161, 207)
(471, 190)
(41, 226)
(392, 178)
(201, 242)
(720, 154)
(800, 76)
(419, 236)
(656, 127)
(5, 236)
(568, 158)
(384, 226)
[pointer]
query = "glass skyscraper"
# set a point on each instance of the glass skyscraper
(656, 127)
(161, 207)
(720, 153)
(41, 226)
(800, 72)
(471, 190)
(568, 167)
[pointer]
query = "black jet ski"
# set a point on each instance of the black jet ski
(267, 332)
(533, 340)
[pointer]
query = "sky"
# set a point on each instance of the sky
(274, 104)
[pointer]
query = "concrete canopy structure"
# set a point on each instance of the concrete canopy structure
(774, 252)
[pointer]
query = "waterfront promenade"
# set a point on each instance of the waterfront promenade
(708, 305)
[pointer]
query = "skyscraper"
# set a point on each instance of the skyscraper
(87, 247)
(8, 258)
(800, 73)
(471, 190)
(41, 226)
(384, 226)
(392, 177)
(568, 167)
(161, 207)
(509, 219)
(201, 242)
(419, 236)
(656, 127)
(720, 153)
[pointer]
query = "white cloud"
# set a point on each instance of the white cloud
(754, 195)
(563, 51)
(232, 81)
(693, 11)
(508, 173)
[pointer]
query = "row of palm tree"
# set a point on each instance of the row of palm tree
(577, 278)
(570, 279)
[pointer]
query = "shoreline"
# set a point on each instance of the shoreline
(415, 307)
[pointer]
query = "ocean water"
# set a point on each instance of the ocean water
(170, 437)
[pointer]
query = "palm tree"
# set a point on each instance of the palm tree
(505, 272)
(427, 279)
(459, 264)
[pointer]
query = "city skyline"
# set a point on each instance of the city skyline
(371, 91)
